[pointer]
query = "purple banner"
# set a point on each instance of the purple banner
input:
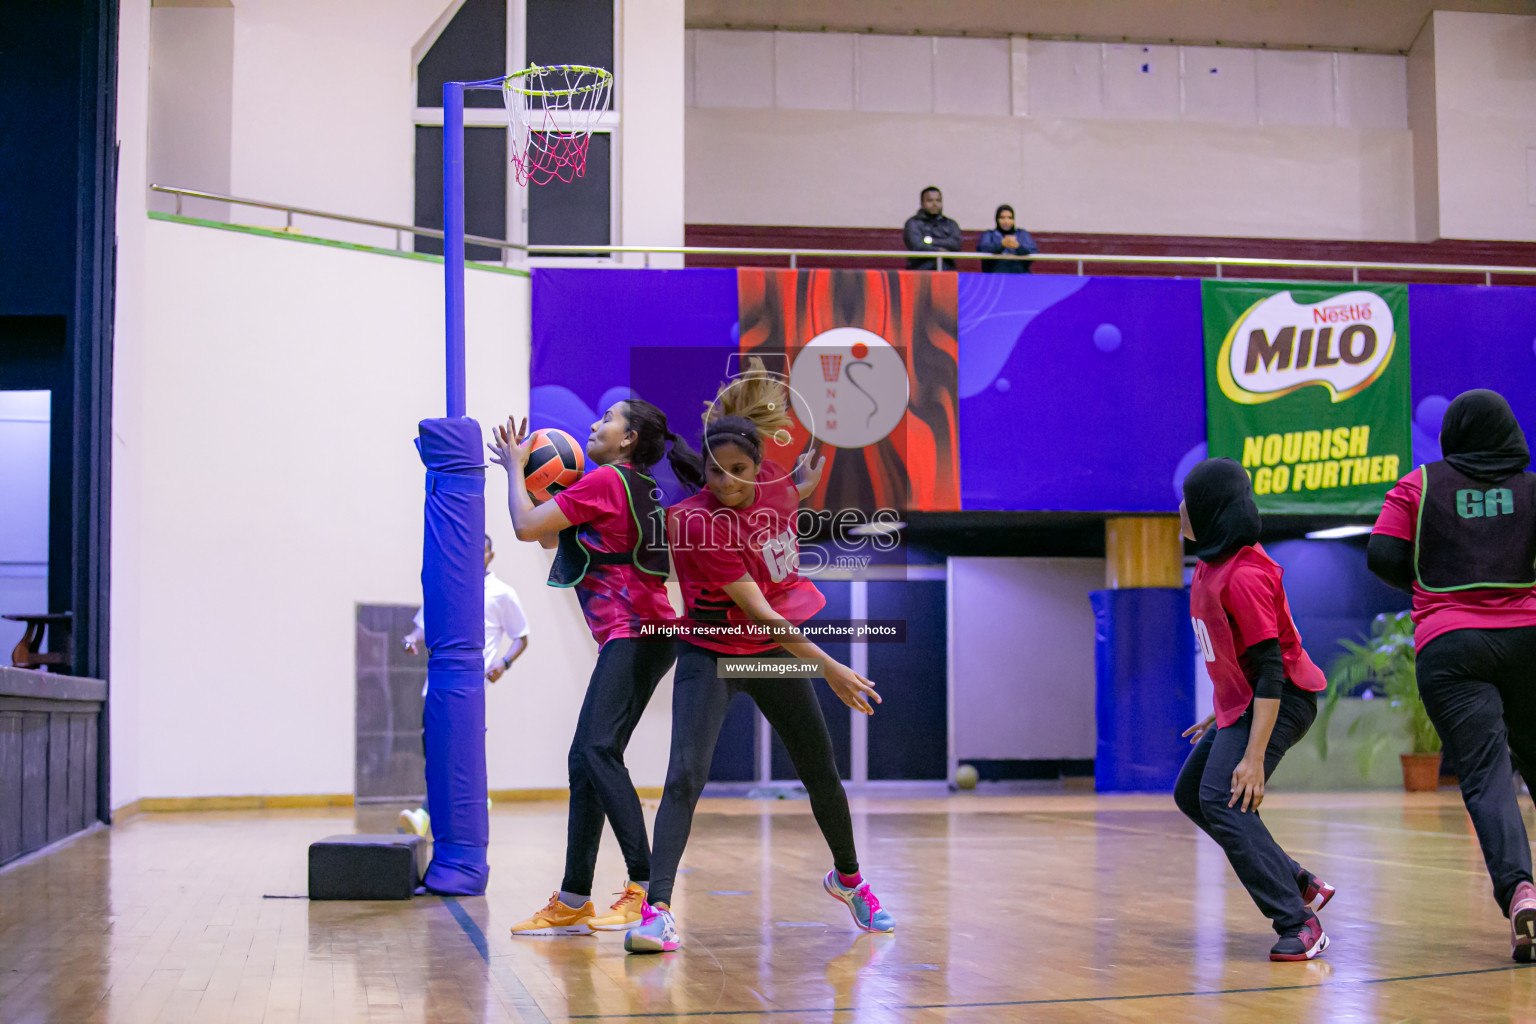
(1465, 337)
(1075, 394)
(600, 336)
(1083, 394)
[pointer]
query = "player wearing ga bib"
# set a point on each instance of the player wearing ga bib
(1460, 536)
(614, 554)
(1265, 700)
(611, 549)
(1464, 571)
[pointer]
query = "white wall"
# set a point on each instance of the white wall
(281, 388)
(1381, 25)
(127, 642)
(1422, 122)
(312, 105)
(651, 103)
(1485, 123)
(1026, 691)
(192, 53)
(1129, 177)
(323, 95)
(1077, 136)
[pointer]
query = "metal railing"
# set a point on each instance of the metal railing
(1217, 263)
(400, 230)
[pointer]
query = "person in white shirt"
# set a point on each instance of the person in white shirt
(504, 620)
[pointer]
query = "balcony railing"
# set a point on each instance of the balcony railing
(515, 253)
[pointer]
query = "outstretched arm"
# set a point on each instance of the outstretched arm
(851, 688)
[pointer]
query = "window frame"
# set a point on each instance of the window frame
(607, 122)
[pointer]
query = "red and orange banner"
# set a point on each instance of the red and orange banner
(871, 361)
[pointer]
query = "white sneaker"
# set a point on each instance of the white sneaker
(414, 823)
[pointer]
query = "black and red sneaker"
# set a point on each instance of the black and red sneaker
(1303, 944)
(1522, 923)
(1315, 892)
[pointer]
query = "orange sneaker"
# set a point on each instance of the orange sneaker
(625, 912)
(557, 919)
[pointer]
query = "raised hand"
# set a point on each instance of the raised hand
(508, 443)
(808, 473)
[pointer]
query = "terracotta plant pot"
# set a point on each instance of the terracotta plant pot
(1421, 772)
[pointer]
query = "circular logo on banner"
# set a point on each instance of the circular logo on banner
(849, 387)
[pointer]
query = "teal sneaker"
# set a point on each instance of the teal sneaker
(863, 904)
(656, 932)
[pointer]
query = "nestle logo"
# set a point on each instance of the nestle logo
(1334, 314)
(1279, 345)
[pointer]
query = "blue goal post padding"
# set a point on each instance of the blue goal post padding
(1144, 658)
(453, 592)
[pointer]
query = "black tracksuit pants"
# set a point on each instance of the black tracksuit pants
(1205, 787)
(622, 683)
(700, 700)
(1479, 687)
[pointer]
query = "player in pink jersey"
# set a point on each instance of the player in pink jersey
(1460, 536)
(1265, 698)
(612, 550)
(737, 555)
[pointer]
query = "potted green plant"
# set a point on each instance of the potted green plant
(1384, 660)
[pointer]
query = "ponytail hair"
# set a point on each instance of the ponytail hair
(687, 464)
(653, 440)
(756, 396)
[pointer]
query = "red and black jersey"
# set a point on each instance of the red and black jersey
(1235, 604)
(713, 545)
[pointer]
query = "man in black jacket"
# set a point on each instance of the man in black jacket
(929, 230)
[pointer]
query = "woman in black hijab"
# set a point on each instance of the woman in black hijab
(1460, 536)
(1265, 698)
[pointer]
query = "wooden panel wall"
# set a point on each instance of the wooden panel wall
(48, 771)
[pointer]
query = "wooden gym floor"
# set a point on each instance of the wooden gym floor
(1038, 908)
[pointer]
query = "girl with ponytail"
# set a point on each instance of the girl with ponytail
(736, 553)
(609, 529)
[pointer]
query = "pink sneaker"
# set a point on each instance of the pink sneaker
(656, 932)
(1522, 923)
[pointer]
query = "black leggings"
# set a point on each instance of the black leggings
(1205, 786)
(1479, 687)
(626, 675)
(700, 700)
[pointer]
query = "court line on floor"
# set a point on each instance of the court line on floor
(1294, 850)
(1069, 1000)
(521, 999)
(1463, 836)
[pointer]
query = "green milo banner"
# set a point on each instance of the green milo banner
(1307, 387)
